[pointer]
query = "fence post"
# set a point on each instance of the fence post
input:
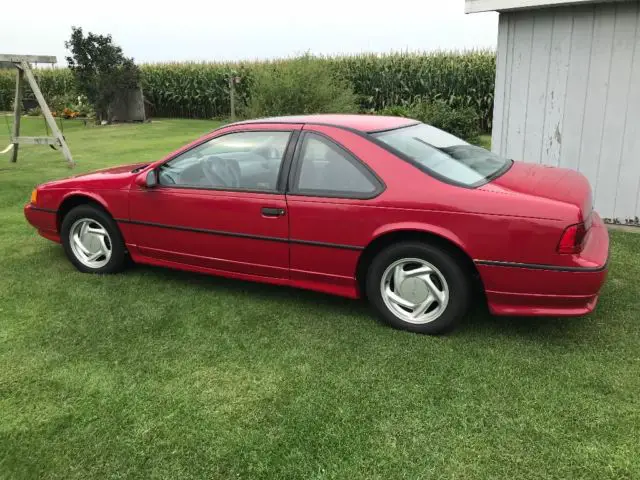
(17, 110)
(232, 94)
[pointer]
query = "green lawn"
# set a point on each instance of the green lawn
(485, 141)
(161, 374)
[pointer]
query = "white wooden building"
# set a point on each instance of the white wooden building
(568, 92)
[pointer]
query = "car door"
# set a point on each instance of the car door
(331, 192)
(220, 204)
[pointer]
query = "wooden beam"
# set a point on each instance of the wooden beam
(36, 140)
(47, 113)
(8, 57)
(17, 111)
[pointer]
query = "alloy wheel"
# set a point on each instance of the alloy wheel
(90, 243)
(414, 290)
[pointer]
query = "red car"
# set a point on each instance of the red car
(386, 208)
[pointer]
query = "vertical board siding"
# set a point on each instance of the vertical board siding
(501, 78)
(507, 88)
(537, 99)
(518, 106)
(576, 93)
(558, 74)
(596, 102)
(568, 95)
(629, 183)
(617, 107)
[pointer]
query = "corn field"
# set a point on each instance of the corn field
(200, 90)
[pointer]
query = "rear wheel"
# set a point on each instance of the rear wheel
(418, 287)
(92, 240)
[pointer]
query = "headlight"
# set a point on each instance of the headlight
(34, 196)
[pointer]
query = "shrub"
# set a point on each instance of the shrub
(299, 86)
(398, 111)
(57, 103)
(462, 122)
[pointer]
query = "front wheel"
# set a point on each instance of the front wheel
(418, 287)
(92, 240)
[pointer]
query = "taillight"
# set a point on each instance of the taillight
(572, 238)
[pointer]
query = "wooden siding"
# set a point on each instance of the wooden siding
(568, 94)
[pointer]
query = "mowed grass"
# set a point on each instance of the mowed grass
(160, 374)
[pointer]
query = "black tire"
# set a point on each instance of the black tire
(118, 259)
(457, 279)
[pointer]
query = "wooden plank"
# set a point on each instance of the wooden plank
(47, 113)
(36, 141)
(500, 90)
(538, 78)
(617, 108)
(17, 111)
(519, 89)
(557, 87)
(627, 199)
(595, 107)
(576, 88)
(13, 58)
(508, 68)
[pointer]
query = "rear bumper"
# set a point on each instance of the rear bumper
(533, 305)
(547, 290)
(44, 220)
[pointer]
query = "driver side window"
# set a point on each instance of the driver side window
(237, 161)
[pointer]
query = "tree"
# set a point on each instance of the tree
(100, 69)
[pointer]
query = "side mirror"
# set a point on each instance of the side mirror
(147, 180)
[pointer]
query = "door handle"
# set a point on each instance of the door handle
(272, 212)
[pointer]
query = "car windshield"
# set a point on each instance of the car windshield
(444, 155)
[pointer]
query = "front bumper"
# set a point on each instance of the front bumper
(539, 290)
(44, 220)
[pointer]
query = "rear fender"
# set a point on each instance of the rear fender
(421, 227)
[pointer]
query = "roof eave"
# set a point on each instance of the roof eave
(477, 6)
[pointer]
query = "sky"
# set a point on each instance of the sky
(214, 30)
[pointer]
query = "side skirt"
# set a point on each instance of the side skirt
(349, 292)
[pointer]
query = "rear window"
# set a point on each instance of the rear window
(445, 156)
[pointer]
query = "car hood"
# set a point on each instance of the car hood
(560, 184)
(114, 177)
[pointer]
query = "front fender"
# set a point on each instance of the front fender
(95, 196)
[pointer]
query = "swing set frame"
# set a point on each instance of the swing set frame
(22, 63)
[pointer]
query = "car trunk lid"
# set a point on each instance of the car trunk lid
(559, 184)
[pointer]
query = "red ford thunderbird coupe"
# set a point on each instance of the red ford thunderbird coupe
(386, 208)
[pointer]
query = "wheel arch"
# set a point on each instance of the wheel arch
(74, 199)
(407, 233)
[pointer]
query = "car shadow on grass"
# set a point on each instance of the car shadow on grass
(262, 290)
(478, 322)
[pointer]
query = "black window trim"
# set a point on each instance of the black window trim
(285, 163)
(294, 174)
(370, 136)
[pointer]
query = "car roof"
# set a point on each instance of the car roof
(363, 123)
